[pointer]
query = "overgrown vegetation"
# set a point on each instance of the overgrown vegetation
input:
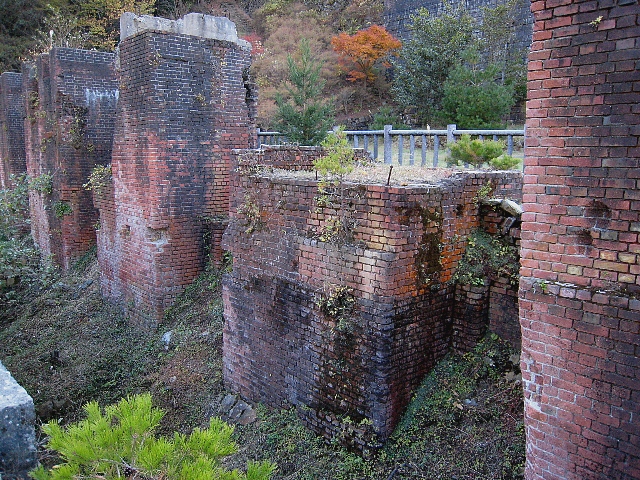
(338, 161)
(465, 421)
(67, 347)
(121, 442)
(487, 256)
(21, 266)
(99, 179)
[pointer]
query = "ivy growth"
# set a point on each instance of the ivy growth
(339, 305)
(252, 213)
(99, 178)
(61, 209)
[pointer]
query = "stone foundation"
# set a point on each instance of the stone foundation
(17, 432)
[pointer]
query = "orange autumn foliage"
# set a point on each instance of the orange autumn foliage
(361, 52)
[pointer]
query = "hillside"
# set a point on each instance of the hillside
(67, 346)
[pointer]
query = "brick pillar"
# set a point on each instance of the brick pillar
(12, 156)
(70, 98)
(579, 307)
(185, 102)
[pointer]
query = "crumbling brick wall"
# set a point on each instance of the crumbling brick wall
(12, 113)
(185, 101)
(346, 329)
(70, 99)
(579, 306)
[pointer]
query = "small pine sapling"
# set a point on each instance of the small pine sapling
(474, 152)
(121, 442)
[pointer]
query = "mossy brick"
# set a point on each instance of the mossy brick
(12, 114)
(171, 161)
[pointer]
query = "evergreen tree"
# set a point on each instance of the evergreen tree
(304, 118)
(428, 57)
(475, 97)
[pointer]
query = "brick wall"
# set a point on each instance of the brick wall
(12, 155)
(579, 306)
(185, 102)
(281, 345)
(70, 98)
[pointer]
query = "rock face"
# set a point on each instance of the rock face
(17, 434)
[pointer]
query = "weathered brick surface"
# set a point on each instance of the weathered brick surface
(580, 271)
(185, 102)
(70, 98)
(12, 154)
(280, 347)
(503, 294)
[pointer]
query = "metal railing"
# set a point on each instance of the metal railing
(424, 146)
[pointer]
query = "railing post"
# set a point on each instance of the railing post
(388, 145)
(258, 137)
(450, 136)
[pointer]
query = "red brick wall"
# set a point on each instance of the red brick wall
(579, 306)
(503, 314)
(280, 347)
(185, 102)
(70, 97)
(12, 155)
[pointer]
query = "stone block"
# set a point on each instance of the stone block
(17, 433)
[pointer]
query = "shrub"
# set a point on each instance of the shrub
(19, 259)
(120, 442)
(472, 98)
(334, 166)
(504, 162)
(487, 256)
(474, 152)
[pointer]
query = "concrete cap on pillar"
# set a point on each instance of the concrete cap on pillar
(194, 24)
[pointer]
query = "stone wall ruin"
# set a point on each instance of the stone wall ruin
(579, 307)
(12, 155)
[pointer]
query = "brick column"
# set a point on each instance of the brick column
(70, 98)
(12, 156)
(579, 306)
(185, 102)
